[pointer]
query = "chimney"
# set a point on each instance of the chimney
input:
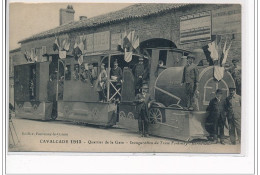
(67, 15)
(83, 17)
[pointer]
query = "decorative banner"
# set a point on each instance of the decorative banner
(32, 53)
(128, 56)
(62, 54)
(218, 72)
(226, 20)
(80, 60)
(225, 52)
(213, 49)
(196, 27)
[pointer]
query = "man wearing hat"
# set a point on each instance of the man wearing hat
(236, 74)
(233, 110)
(101, 83)
(116, 71)
(143, 101)
(191, 80)
(139, 73)
(217, 117)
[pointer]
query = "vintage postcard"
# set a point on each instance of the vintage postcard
(128, 78)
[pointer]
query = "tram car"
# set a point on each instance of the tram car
(66, 89)
(35, 91)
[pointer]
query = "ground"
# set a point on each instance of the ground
(59, 136)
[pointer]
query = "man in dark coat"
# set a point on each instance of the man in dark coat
(143, 101)
(191, 80)
(116, 71)
(217, 116)
(233, 109)
(139, 73)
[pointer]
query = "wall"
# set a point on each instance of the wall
(165, 25)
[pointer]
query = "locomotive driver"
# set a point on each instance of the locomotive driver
(191, 80)
(143, 101)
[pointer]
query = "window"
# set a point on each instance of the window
(163, 57)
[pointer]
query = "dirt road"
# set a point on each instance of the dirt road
(60, 136)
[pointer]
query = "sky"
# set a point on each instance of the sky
(27, 19)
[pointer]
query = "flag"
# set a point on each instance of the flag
(62, 54)
(77, 41)
(128, 56)
(225, 52)
(27, 56)
(77, 52)
(81, 43)
(56, 45)
(35, 58)
(81, 46)
(132, 36)
(63, 43)
(135, 42)
(213, 49)
(32, 55)
(126, 41)
(67, 46)
(218, 72)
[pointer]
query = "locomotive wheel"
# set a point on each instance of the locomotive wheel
(155, 116)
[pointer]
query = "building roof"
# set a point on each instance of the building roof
(15, 50)
(130, 12)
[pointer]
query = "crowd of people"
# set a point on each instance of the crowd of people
(222, 110)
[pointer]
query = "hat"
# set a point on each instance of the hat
(219, 91)
(191, 56)
(145, 86)
(235, 60)
(115, 62)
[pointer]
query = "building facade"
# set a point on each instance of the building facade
(185, 26)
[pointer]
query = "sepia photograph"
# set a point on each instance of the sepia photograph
(125, 78)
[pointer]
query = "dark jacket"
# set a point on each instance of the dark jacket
(117, 72)
(233, 106)
(216, 110)
(190, 74)
(142, 104)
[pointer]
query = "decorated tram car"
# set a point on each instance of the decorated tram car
(58, 89)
